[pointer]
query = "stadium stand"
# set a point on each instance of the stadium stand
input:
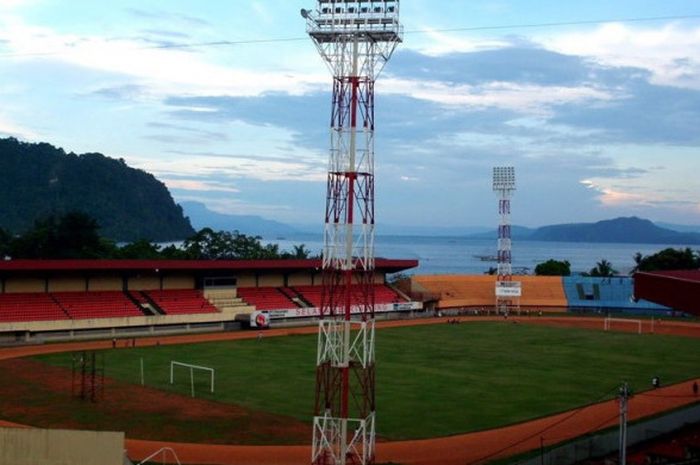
(30, 307)
(383, 294)
(181, 301)
(266, 298)
(479, 291)
(542, 291)
(96, 304)
(616, 293)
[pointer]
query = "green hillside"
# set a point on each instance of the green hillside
(37, 180)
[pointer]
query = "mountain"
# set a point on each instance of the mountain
(202, 217)
(517, 232)
(624, 230)
(38, 180)
(679, 227)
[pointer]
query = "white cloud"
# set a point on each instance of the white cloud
(164, 71)
(437, 43)
(671, 52)
(11, 129)
(198, 185)
(526, 98)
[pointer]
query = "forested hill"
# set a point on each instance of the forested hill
(629, 230)
(38, 180)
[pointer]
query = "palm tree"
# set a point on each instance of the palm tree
(603, 269)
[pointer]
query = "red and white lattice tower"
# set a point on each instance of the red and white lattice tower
(355, 39)
(508, 292)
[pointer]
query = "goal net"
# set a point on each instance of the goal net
(609, 322)
(191, 368)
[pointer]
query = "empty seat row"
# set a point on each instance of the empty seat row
(181, 301)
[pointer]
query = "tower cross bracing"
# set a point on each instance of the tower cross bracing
(355, 39)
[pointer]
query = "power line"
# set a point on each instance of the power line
(227, 43)
(571, 414)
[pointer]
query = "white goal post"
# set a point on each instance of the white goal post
(173, 364)
(607, 323)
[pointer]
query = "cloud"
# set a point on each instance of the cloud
(122, 92)
(670, 52)
(10, 129)
(164, 71)
(167, 16)
(198, 185)
(504, 95)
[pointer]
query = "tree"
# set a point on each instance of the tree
(73, 235)
(668, 259)
(603, 269)
(5, 243)
(208, 244)
(553, 268)
(140, 250)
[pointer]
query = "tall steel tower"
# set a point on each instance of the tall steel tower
(355, 39)
(508, 292)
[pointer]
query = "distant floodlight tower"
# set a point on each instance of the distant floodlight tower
(508, 292)
(355, 39)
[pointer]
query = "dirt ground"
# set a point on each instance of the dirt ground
(472, 448)
(142, 412)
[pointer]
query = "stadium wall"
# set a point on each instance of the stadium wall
(105, 283)
(603, 294)
(547, 293)
(31, 446)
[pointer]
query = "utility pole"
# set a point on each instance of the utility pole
(624, 396)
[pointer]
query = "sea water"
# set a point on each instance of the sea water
(459, 255)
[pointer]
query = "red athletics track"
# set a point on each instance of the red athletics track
(471, 448)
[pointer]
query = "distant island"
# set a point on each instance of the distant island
(630, 230)
(38, 180)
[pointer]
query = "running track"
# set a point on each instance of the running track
(472, 448)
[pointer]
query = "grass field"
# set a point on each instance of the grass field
(431, 380)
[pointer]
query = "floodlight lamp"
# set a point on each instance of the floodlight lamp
(304, 13)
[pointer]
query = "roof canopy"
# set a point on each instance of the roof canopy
(9, 266)
(676, 289)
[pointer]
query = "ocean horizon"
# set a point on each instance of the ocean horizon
(460, 255)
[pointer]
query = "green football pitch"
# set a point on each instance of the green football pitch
(431, 380)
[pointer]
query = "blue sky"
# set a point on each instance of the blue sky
(600, 120)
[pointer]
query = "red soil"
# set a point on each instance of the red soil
(472, 448)
(142, 412)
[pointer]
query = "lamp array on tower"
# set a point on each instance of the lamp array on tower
(355, 39)
(508, 292)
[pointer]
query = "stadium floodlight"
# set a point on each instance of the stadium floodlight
(503, 178)
(355, 38)
(508, 292)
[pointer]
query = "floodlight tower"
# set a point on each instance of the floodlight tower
(508, 292)
(355, 39)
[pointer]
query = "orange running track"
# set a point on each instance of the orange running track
(471, 448)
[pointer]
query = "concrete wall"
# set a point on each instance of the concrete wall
(67, 285)
(25, 285)
(76, 325)
(105, 283)
(600, 445)
(30, 446)
(178, 282)
(299, 279)
(144, 283)
(245, 280)
(270, 280)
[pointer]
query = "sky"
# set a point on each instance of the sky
(599, 119)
